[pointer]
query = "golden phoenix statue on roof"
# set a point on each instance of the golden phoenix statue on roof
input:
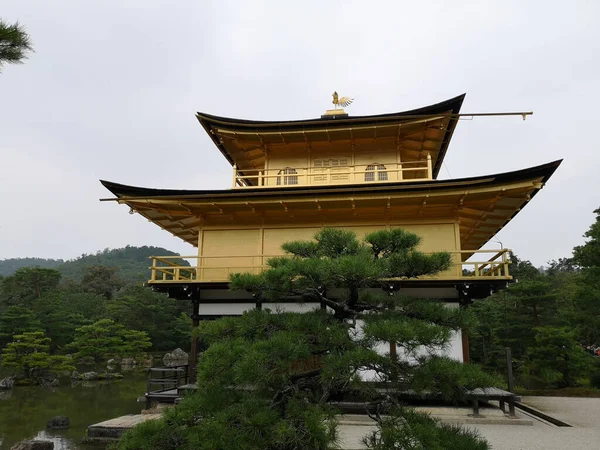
(341, 101)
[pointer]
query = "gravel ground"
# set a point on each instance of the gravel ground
(582, 413)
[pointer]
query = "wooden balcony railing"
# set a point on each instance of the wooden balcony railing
(346, 174)
(479, 265)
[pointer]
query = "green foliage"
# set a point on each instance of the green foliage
(14, 43)
(595, 376)
(266, 379)
(522, 269)
(133, 263)
(588, 255)
(564, 295)
(10, 266)
(17, 320)
(139, 308)
(90, 292)
(509, 319)
(409, 430)
(558, 358)
(28, 284)
(339, 260)
(105, 339)
(102, 280)
(29, 353)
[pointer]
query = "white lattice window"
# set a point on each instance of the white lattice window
(335, 166)
(378, 169)
(339, 165)
(290, 176)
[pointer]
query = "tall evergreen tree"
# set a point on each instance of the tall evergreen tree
(267, 380)
(587, 297)
(558, 357)
(17, 320)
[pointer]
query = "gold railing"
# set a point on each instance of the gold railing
(478, 266)
(347, 174)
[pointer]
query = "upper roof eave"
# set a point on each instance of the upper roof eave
(453, 105)
(450, 106)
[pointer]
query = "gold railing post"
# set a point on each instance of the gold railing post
(260, 177)
(429, 168)
(153, 274)
(399, 170)
(234, 175)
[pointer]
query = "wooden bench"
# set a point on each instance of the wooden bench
(485, 394)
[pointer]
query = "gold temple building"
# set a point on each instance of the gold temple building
(360, 173)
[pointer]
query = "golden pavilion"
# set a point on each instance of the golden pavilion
(361, 173)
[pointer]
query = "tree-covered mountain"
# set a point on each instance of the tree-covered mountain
(10, 266)
(132, 262)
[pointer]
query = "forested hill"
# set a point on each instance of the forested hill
(9, 266)
(133, 263)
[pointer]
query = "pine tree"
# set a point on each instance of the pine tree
(29, 353)
(270, 380)
(105, 339)
(14, 43)
(557, 357)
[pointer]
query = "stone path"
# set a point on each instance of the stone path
(112, 429)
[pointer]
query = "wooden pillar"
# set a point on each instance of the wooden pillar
(465, 346)
(192, 369)
(464, 302)
(394, 358)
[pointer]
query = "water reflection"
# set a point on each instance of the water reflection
(24, 411)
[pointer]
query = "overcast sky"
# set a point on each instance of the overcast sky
(112, 88)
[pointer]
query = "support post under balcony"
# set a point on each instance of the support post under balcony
(429, 168)
(234, 176)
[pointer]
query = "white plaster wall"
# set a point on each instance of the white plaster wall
(227, 309)
(234, 309)
(291, 307)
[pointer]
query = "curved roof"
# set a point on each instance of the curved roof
(482, 205)
(417, 132)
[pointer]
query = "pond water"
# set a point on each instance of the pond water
(24, 411)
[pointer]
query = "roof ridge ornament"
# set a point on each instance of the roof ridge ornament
(339, 103)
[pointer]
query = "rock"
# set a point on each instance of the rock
(33, 445)
(6, 395)
(111, 362)
(55, 382)
(7, 383)
(90, 376)
(58, 423)
(175, 355)
(128, 362)
(75, 375)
